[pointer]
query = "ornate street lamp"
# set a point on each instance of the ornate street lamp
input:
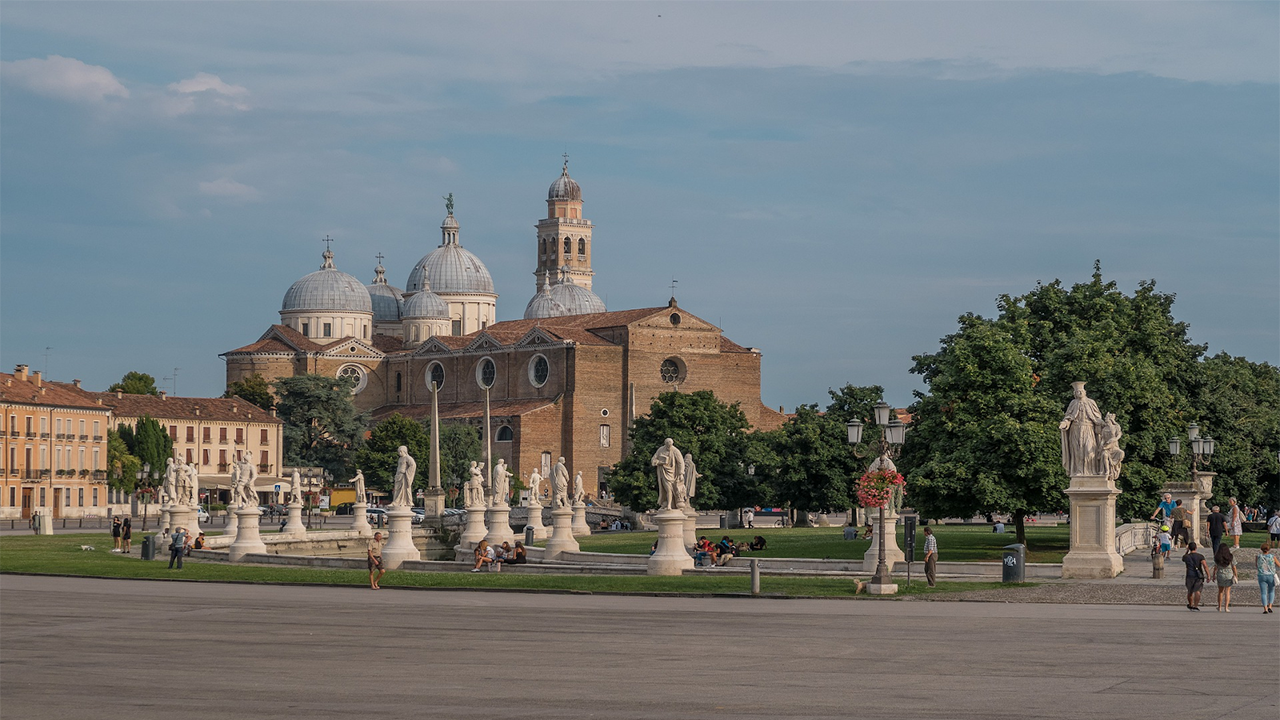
(889, 447)
(1201, 447)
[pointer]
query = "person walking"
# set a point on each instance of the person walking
(177, 546)
(115, 535)
(126, 535)
(376, 570)
(1224, 572)
(1217, 523)
(1266, 566)
(930, 557)
(1273, 527)
(1180, 524)
(1235, 523)
(1197, 571)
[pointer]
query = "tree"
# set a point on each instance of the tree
(459, 447)
(127, 436)
(1238, 405)
(322, 427)
(379, 455)
(815, 465)
(716, 435)
(252, 389)
(152, 445)
(122, 466)
(135, 383)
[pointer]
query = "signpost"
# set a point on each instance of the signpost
(909, 540)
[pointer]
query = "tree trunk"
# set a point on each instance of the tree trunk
(1020, 526)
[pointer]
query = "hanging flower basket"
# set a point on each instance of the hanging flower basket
(875, 488)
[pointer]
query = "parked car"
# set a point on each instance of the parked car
(455, 511)
(418, 515)
(202, 515)
(375, 514)
(346, 508)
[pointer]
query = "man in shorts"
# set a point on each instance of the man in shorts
(1197, 571)
(375, 561)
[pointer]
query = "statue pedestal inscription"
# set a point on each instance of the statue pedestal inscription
(535, 521)
(294, 527)
(561, 534)
(1093, 529)
(892, 553)
(247, 538)
(670, 558)
(361, 524)
(498, 518)
(400, 545)
(474, 531)
(579, 525)
(433, 504)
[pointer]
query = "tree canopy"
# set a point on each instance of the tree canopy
(322, 427)
(151, 445)
(379, 454)
(122, 466)
(254, 389)
(135, 383)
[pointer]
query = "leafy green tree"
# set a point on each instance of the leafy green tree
(459, 446)
(135, 383)
(1238, 405)
(127, 437)
(122, 466)
(716, 435)
(379, 454)
(815, 465)
(252, 389)
(322, 427)
(152, 445)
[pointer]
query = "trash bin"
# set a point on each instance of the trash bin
(528, 536)
(1015, 563)
(149, 547)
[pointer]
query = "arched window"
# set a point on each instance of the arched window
(582, 246)
(486, 373)
(357, 372)
(399, 382)
(568, 246)
(542, 247)
(505, 434)
(435, 374)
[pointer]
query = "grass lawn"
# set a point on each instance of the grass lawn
(956, 543)
(61, 554)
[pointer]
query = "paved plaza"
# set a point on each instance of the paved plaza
(143, 649)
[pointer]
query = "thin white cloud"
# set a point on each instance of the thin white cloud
(229, 189)
(207, 85)
(64, 78)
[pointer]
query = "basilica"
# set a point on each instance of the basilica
(566, 380)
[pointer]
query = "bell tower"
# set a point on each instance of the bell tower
(564, 236)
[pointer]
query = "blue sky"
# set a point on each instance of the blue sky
(831, 183)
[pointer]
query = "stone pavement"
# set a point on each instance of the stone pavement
(143, 649)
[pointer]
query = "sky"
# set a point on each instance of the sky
(832, 183)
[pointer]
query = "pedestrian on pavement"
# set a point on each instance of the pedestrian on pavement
(126, 534)
(1180, 524)
(115, 535)
(177, 546)
(375, 561)
(1165, 508)
(930, 557)
(1217, 527)
(1224, 572)
(1266, 565)
(1235, 523)
(1273, 527)
(1197, 571)
(1165, 540)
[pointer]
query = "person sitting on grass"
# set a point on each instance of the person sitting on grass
(758, 543)
(484, 556)
(866, 532)
(724, 550)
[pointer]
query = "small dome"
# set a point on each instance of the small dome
(542, 306)
(386, 298)
(328, 289)
(425, 304)
(450, 269)
(575, 299)
(564, 188)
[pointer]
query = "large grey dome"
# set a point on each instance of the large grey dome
(386, 298)
(576, 299)
(328, 289)
(543, 306)
(425, 304)
(564, 188)
(450, 268)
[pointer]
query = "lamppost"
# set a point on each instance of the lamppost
(1201, 448)
(889, 447)
(141, 475)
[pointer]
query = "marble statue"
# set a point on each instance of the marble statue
(535, 489)
(1112, 455)
(691, 476)
(560, 485)
(1079, 433)
(235, 480)
(671, 471)
(501, 482)
(182, 493)
(244, 494)
(402, 495)
(170, 488)
(193, 472)
(358, 480)
(295, 488)
(578, 494)
(474, 488)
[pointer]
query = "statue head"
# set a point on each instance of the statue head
(560, 459)
(1077, 389)
(402, 450)
(668, 442)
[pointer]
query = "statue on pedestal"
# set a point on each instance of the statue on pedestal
(501, 482)
(578, 494)
(535, 489)
(560, 485)
(169, 491)
(193, 474)
(295, 488)
(1079, 430)
(358, 480)
(244, 494)
(234, 482)
(473, 490)
(691, 476)
(406, 468)
(671, 476)
(1112, 455)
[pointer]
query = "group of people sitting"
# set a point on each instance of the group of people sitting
(725, 550)
(617, 524)
(488, 556)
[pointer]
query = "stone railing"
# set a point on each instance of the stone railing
(1132, 536)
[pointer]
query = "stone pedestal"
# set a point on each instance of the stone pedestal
(535, 522)
(44, 523)
(247, 538)
(1093, 529)
(498, 518)
(1193, 496)
(433, 504)
(886, 589)
(399, 545)
(690, 526)
(474, 531)
(361, 524)
(892, 553)
(561, 534)
(671, 557)
(229, 530)
(164, 519)
(580, 526)
(294, 527)
(184, 516)
(823, 520)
